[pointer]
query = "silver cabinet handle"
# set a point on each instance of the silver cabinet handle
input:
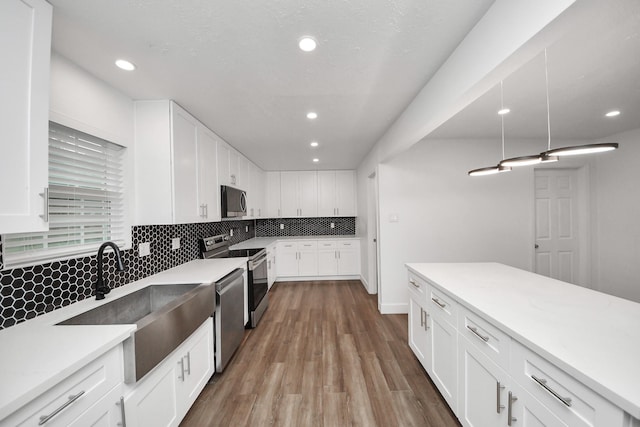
(499, 388)
(426, 321)
(510, 418)
(72, 398)
(188, 363)
(476, 333)
(543, 384)
(421, 317)
(45, 196)
(206, 211)
(122, 423)
(413, 282)
(437, 301)
(278, 211)
(181, 362)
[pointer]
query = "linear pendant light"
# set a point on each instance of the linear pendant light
(492, 170)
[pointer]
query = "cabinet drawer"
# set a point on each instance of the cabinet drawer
(442, 305)
(571, 401)
(307, 245)
(489, 339)
(418, 289)
(349, 244)
(327, 244)
(74, 395)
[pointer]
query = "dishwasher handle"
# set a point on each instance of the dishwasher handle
(225, 283)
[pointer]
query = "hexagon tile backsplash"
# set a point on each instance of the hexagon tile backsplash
(30, 291)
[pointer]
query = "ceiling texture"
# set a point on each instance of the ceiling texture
(236, 66)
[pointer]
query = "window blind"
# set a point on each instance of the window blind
(86, 200)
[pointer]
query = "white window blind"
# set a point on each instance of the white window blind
(86, 203)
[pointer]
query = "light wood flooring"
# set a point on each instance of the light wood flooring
(323, 356)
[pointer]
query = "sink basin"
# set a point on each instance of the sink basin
(165, 315)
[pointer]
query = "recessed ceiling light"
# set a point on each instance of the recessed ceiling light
(307, 44)
(314, 144)
(316, 160)
(125, 65)
(504, 111)
(613, 113)
(312, 115)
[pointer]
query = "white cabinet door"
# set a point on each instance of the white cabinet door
(483, 388)
(209, 192)
(271, 265)
(185, 166)
(327, 258)
(308, 194)
(243, 173)
(154, 401)
(234, 168)
(194, 368)
(348, 258)
(105, 413)
(528, 412)
(327, 193)
(444, 370)
(25, 41)
(256, 192)
(289, 194)
(345, 193)
(307, 258)
(287, 264)
(273, 209)
(224, 171)
(419, 339)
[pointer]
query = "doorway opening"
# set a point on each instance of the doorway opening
(372, 234)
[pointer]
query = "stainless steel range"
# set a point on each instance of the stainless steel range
(258, 297)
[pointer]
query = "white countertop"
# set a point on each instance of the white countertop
(593, 336)
(37, 354)
(263, 242)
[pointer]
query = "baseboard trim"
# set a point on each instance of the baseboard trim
(315, 278)
(398, 308)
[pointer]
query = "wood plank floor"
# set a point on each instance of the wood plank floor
(323, 356)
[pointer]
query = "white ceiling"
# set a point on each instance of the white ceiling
(236, 66)
(592, 69)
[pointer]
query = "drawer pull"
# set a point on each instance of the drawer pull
(123, 423)
(543, 384)
(437, 301)
(476, 333)
(413, 282)
(499, 388)
(45, 418)
(510, 418)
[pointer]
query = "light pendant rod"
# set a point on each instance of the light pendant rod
(492, 170)
(545, 157)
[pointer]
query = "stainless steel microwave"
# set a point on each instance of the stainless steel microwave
(234, 202)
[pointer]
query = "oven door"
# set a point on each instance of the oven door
(258, 284)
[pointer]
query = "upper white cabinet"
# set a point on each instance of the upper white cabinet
(173, 182)
(233, 167)
(299, 194)
(25, 40)
(336, 193)
(256, 193)
(272, 204)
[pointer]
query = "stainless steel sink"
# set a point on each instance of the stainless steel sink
(165, 315)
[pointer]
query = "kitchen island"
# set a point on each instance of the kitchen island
(570, 353)
(38, 354)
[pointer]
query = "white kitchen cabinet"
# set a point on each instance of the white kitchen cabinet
(25, 41)
(418, 332)
(272, 204)
(169, 192)
(299, 194)
(106, 412)
(164, 395)
(297, 258)
(224, 170)
(271, 265)
(338, 258)
(336, 193)
(243, 172)
(327, 258)
(444, 347)
(208, 189)
(72, 397)
(256, 192)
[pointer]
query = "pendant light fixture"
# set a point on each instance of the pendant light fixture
(498, 168)
(552, 155)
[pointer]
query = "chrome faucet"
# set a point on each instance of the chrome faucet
(101, 288)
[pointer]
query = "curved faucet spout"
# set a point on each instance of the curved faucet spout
(101, 287)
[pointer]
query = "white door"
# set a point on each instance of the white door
(557, 228)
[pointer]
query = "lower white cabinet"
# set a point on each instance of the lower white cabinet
(490, 379)
(271, 265)
(163, 397)
(318, 258)
(85, 395)
(297, 258)
(106, 412)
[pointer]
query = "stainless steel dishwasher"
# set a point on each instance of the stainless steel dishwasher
(229, 317)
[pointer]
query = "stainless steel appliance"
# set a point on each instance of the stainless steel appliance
(229, 317)
(233, 202)
(257, 287)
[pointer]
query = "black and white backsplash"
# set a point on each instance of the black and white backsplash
(280, 227)
(31, 291)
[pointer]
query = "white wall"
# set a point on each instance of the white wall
(616, 185)
(443, 215)
(83, 102)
